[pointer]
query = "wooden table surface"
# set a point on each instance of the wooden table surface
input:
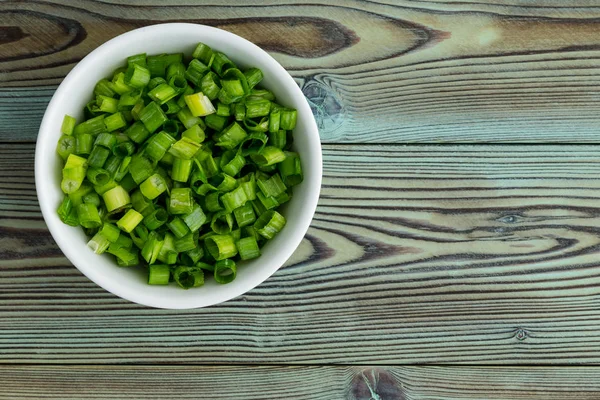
(455, 251)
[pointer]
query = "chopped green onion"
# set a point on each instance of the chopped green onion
(162, 93)
(156, 219)
(203, 53)
(248, 248)
(209, 85)
(127, 257)
(159, 274)
(158, 145)
(105, 139)
(215, 122)
(234, 199)
(137, 132)
(257, 108)
(92, 126)
(221, 246)
(116, 199)
(195, 71)
(253, 76)
(152, 117)
(199, 105)
(273, 186)
(140, 168)
(139, 59)
(88, 216)
(181, 169)
(104, 87)
(268, 156)
(221, 63)
(195, 219)
(153, 186)
(225, 271)
(99, 243)
(188, 277)
(130, 220)
(152, 247)
(178, 227)
(244, 215)
(98, 156)
(83, 143)
(269, 224)
(288, 119)
(194, 133)
(187, 119)
(181, 201)
(68, 125)
(291, 169)
(232, 136)
(65, 146)
(222, 222)
(184, 148)
(185, 243)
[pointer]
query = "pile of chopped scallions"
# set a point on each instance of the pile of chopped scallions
(179, 168)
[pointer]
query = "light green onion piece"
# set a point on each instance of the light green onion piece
(221, 247)
(88, 216)
(186, 243)
(68, 125)
(137, 76)
(130, 220)
(168, 253)
(181, 169)
(181, 201)
(185, 148)
(156, 218)
(248, 248)
(152, 248)
(116, 199)
(98, 243)
(195, 219)
(153, 117)
(159, 274)
(272, 187)
(199, 105)
(110, 232)
(153, 187)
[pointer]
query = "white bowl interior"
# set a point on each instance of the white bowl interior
(76, 90)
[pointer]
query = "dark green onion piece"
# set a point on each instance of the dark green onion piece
(154, 82)
(119, 84)
(268, 156)
(181, 169)
(257, 108)
(244, 215)
(225, 271)
(159, 274)
(253, 76)
(98, 176)
(78, 195)
(105, 139)
(156, 219)
(222, 222)
(141, 204)
(221, 63)
(65, 209)
(269, 224)
(106, 104)
(268, 202)
(209, 85)
(98, 156)
(195, 71)
(159, 144)
(92, 126)
(184, 148)
(288, 119)
(191, 257)
(105, 88)
(278, 139)
(232, 162)
(221, 246)
(153, 117)
(291, 169)
(140, 168)
(110, 232)
(129, 100)
(194, 133)
(203, 53)
(171, 107)
(188, 277)
(274, 123)
(186, 243)
(137, 132)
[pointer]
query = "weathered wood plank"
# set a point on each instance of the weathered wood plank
(481, 254)
(403, 71)
(284, 382)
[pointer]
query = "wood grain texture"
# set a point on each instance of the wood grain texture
(448, 254)
(298, 383)
(374, 71)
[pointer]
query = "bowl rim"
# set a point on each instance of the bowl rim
(121, 290)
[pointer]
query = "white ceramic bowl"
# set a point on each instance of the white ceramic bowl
(70, 98)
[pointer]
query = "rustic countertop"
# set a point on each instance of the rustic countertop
(459, 220)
